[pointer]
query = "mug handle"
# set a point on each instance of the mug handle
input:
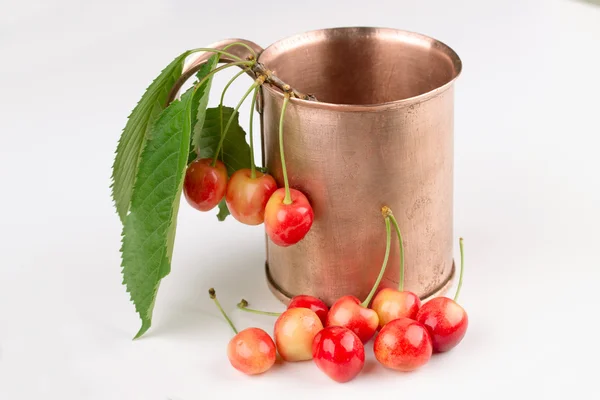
(202, 57)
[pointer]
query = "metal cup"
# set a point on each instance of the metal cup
(381, 133)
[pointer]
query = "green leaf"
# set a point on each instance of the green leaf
(236, 151)
(137, 131)
(223, 211)
(200, 102)
(149, 228)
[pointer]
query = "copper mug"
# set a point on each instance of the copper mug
(381, 133)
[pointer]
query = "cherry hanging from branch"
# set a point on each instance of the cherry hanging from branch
(249, 190)
(205, 181)
(288, 213)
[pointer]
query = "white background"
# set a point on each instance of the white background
(527, 202)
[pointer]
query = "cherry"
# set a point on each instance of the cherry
(288, 213)
(444, 318)
(247, 195)
(446, 322)
(312, 303)
(205, 184)
(287, 224)
(403, 344)
(295, 330)
(339, 353)
(206, 179)
(391, 304)
(251, 351)
(349, 312)
(248, 190)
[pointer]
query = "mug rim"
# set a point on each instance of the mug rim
(456, 63)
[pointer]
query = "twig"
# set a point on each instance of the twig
(259, 69)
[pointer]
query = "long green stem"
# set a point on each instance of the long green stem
(251, 138)
(462, 269)
(221, 68)
(254, 85)
(243, 305)
(250, 49)
(213, 295)
(223, 98)
(288, 197)
(220, 52)
(249, 64)
(401, 244)
(214, 71)
(388, 243)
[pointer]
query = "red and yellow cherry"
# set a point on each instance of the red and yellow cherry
(444, 318)
(446, 322)
(339, 353)
(312, 303)
(288, 213)
(403, 344)
(390, 304)
(251, 351)
(204, 184)
(287, 224)
(295, 330)
(348, 312)
(246, 197)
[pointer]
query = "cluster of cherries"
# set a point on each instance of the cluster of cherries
(252, 196)
(407, 333)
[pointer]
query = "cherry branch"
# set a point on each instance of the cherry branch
(259, 69)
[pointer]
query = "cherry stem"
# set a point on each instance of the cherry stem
(219, 52)
(288, 197)
(249, 64)
(462, 268)
(401, 244)
(250, 49)
(385, 261)
(250, 137)
(213, 295)
(223, 98)
(243, 305)
(259, 81)
(221, 68)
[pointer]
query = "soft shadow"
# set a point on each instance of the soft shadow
(240, 274)
(592, 2)
(370, 367)
(184, 321)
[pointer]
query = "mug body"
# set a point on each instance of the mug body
(380, 134)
